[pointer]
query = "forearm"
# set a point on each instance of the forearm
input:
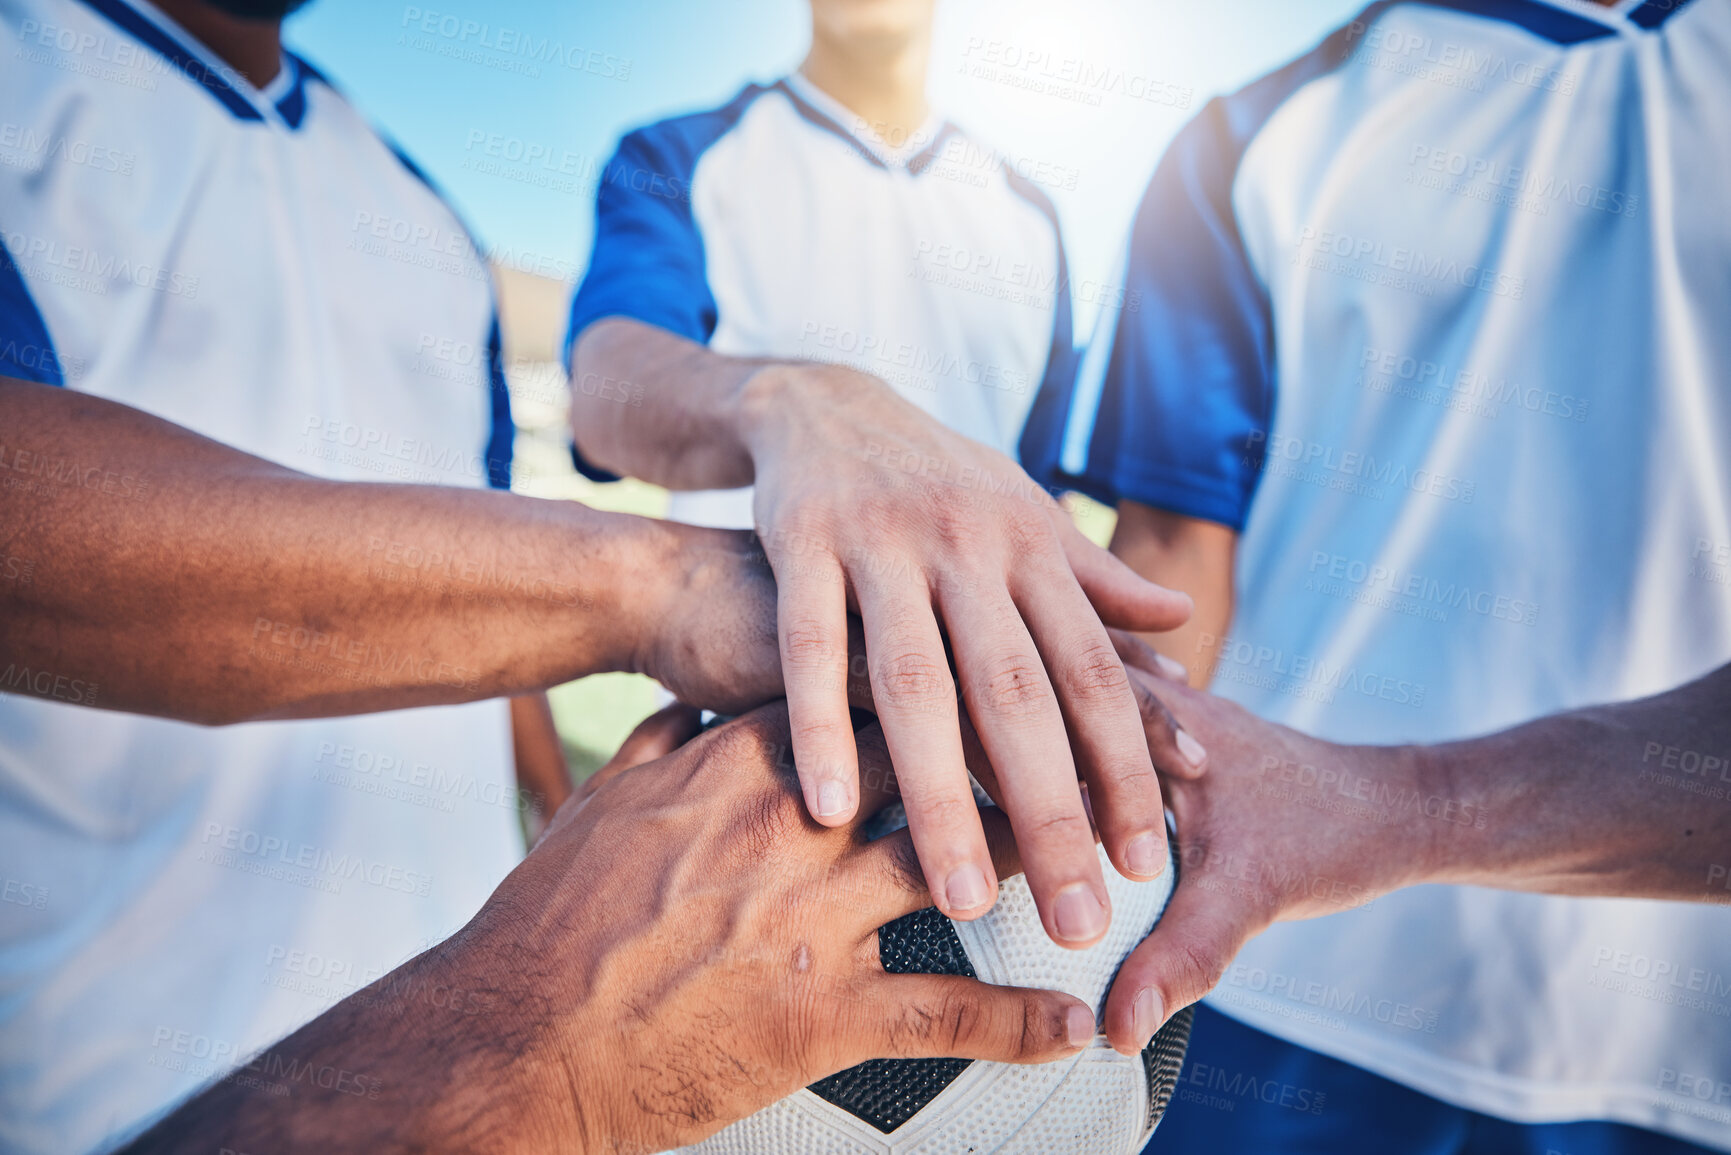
(1631, 799)
(173, 575)
(1182, 553)
(435, 1056)
(648, 404)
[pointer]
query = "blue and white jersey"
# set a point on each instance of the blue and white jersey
(259, 267)
(1437, 315)
(781, 226)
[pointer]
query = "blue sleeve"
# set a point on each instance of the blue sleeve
(1174, 411)
(1061, 357)
(26, 351)
(502, 434)
(647, 262)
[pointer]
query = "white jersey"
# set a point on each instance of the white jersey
(1438, 315)
(780, 226)
(261, 268)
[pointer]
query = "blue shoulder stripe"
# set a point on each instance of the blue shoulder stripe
(1655, 12)
(134, 23)
(1553, 24)
(26, 351)
(502, 431)
(1061, 357)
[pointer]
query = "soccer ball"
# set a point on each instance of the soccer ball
(1097, 1102)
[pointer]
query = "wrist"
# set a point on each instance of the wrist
(773, 405)
(1430, 841)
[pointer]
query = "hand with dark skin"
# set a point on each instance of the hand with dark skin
(300, 597)
(684, 947)
(1279, 825)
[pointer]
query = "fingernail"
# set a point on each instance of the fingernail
(966, 887)
(831, 799)
(1145, 1014)
(1171, 668)
(1079, 1026)
(1190, 748)
(1143, 855)
(1078, 913)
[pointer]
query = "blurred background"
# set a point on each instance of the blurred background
(520, 141)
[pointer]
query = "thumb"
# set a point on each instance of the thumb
(1122, 597)
(950, 1017)
(1182, 960)
(656, 736)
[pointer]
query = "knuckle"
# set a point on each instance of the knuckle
(808, 643)
(944, 812)
(911, 678)
(901, 867)
(822, 736)
(1029, 533)
(1057, 826)
(1015, 685)
(1095, 675)
(1132, 780)
(763, 823)
(1202, 967)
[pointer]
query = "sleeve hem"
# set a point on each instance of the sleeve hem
(1190, 496)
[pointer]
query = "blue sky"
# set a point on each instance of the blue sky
(513, 106)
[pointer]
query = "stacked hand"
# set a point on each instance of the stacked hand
(1267, 831)
(949, 553)
(683, 947)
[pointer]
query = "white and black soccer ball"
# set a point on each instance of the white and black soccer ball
(1097, 1102)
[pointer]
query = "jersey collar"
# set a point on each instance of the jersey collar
(824, 111)
(282, 101)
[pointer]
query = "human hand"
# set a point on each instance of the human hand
(749, 966)
(704, 625)
(864, 501)
(683, 948)
(1275, 826)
